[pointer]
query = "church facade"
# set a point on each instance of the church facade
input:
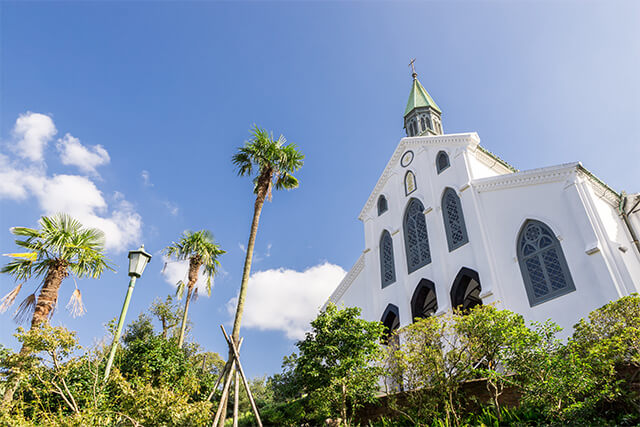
(450, 224)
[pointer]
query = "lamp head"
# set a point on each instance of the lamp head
(138, 260)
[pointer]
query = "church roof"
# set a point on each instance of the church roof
(419, 97)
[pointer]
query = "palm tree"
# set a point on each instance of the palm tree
(62, 247)
(201, 251)
(273, 163)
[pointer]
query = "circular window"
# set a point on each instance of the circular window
(406, 159)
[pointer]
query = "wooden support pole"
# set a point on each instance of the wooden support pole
(244, 378)
(225, 393)
(221, 376)
(236, 393)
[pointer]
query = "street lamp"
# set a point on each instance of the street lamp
(138, 260)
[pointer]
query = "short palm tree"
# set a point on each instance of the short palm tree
(201, 251)
(272, 164)
(61, 247)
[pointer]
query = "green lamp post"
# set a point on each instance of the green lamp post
(138, 260)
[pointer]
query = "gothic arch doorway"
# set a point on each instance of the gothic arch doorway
(465, 292)
(424, 302)
(391, 321)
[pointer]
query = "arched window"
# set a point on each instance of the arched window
(428, 122)
(442, 161)
(413, 128)
(465, 291)
(422, 122)
(424, 302)
(409, 183)
(382, 205)
(544, 269)
(416, 239)
(453, 219)
(387, 264)
(391, 321)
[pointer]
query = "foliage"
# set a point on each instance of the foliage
(199, 248)
(61, 246)
(338, 364)
(168, 313)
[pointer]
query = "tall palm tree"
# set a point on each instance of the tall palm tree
(273, 163)
(201, 251)
(60, 248)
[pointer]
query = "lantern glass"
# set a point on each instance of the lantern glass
(138, 260)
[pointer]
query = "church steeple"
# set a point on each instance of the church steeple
(422, 115)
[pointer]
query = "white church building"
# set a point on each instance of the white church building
(450, 224)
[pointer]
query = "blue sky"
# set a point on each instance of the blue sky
(172, 88)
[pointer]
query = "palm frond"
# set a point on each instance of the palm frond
(180, 289)
(25, 309)
(8, 299)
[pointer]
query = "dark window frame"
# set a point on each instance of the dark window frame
(449, 194)
(386, 244)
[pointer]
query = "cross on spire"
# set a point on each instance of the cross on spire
(413, 68)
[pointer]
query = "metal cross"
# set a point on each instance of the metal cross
(413, 68)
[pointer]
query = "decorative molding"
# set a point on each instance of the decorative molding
(469, 139)
(346, 282)
(524, 178)
(544, 175)
(592, 248)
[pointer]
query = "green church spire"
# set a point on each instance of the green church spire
(419, 97)
(422, 115)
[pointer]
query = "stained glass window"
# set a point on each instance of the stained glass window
(453, 219)
(387, 264)
(382, 205)
(416, 239)
(409, 183)
(442, 161)
(544, 269)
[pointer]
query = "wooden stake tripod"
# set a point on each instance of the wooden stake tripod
(231, 369)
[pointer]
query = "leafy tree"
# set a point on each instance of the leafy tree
(491, 336)
(432, 363)
(339, 361)
(274, 164)
(168, 313)
(61, 247)
(201, 251)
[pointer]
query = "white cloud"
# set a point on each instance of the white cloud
(171, 207)
(87, 159)
(174, 271)
(146, 178)
(75, 195)
(287, 300)
(33, 131)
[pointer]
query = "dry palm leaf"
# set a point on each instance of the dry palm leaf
(75, 306)
(8, 299)
(25, 309)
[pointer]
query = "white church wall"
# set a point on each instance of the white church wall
(558, 205)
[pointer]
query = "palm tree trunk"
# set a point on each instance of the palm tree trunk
(194, 267)
(246, 272)
(263, 189)
(183, 326)
(45, 303)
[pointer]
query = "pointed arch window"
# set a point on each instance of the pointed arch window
(442, 161)
(424, 302)
(387, 264)
(409, 183)
(416, 238)
(391, 321)
(382, 205)
(423, 123)
(453, 220)
(544, 268)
